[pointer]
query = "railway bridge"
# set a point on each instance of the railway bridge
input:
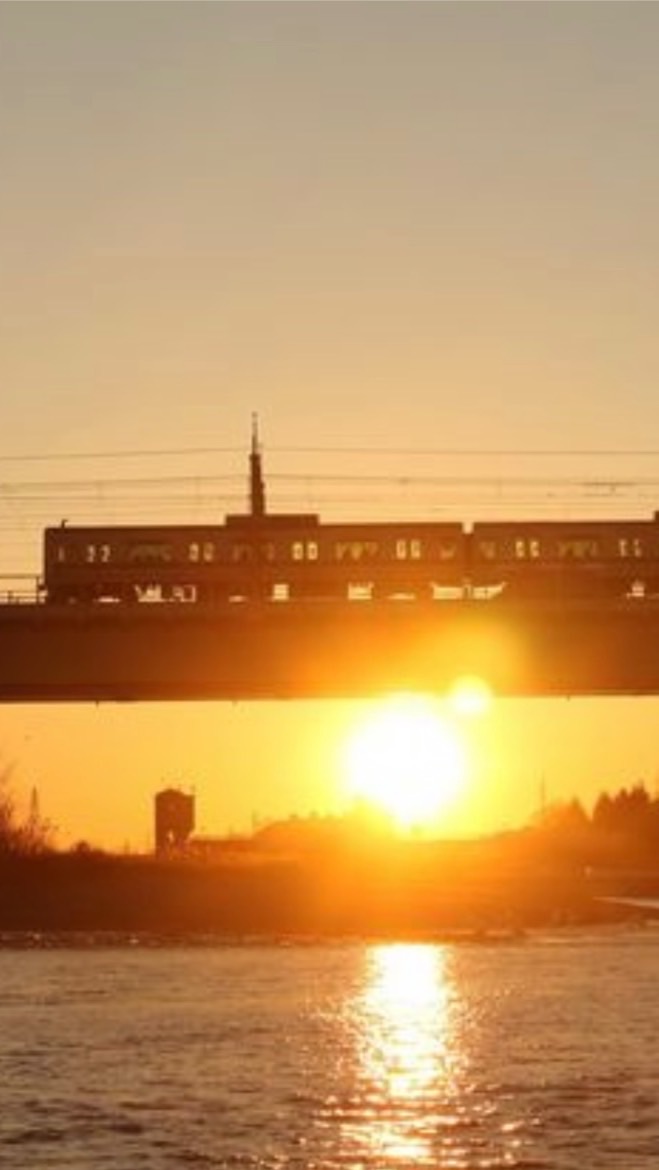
(311, 650)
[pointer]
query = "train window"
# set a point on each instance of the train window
(577, 549)
(97, 552)
(630, 546)
(60, 555)
(242, 552)
(304, 550)
(408, 548)
(447, 552)
(487, 549)
(356, 550)
(281, 591)
(527, 548)
(360, 591)
(201, 552)
(186, 593)
(150, 553)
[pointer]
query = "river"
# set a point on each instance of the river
(539, 1053)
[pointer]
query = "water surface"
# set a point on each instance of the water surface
(537, 1053)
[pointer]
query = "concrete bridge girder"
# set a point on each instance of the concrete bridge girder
(298, 650)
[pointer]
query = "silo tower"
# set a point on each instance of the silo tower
(174, 820)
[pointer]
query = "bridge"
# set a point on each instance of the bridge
(311, 650)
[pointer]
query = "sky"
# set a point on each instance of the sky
(409, 225)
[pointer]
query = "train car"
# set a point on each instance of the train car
(571, 559)
(296, 557)
(183, 563)
(268, 557)
(125, 564)
(378, 561)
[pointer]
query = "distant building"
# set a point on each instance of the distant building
(174, 820)
(317, 834)
(218, 849)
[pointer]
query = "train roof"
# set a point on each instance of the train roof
(272, 520)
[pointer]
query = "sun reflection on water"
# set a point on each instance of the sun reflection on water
(407, 1053)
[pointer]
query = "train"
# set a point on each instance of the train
(262, 556)
(296, 557)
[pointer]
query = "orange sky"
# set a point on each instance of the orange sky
(382, 224)
(97, 768)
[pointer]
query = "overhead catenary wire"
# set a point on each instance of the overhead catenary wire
(13, 487)
(334, 450)
(181, 496)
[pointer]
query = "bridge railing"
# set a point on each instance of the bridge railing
(19, 589)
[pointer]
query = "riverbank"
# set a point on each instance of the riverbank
(394, 892)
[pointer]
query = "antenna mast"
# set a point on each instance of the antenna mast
(256, 484)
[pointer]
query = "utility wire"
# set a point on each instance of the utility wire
(15, 487)
(147, 453)
(411, 452)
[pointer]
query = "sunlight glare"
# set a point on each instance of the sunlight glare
(408, 1049)
(407, 761)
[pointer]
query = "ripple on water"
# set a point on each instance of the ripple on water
(532, 1057)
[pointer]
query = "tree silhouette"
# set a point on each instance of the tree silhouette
(32, 836)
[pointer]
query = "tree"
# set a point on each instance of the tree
(25, 838)
(564, 818)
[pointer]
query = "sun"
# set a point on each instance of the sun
(407, 761)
